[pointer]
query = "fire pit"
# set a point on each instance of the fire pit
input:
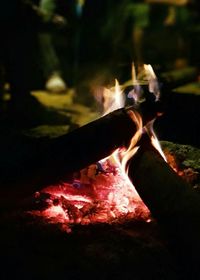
(93, 223)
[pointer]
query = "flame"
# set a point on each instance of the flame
(113, 98)
(152, 81)
(154, 140)
(120, 157)
(145, 76)
(117, 96)
(135, 93)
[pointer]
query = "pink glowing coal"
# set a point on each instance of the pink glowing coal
(100, 193)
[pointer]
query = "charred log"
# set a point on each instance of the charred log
(171, 201)
(59, 158)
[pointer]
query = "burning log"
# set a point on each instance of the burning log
(86, 145)
(93, 142)
(171, 201)
(69, 153)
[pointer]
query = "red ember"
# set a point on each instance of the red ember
(99, 194)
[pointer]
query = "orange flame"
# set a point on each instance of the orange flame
(116, 99)
(120, 157)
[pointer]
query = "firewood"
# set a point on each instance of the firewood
(59, 158)
(80, 148)
(171, 201)
(92, 142)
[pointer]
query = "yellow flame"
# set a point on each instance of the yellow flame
(114, 98)
(122, 157)
(135, 116)
(154, 139)
(134, 76)
(149, 71)
(152, 81)
(156, 144)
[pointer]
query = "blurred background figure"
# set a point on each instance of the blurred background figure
(124, 28)
(21, 52)
(50, 60)
(76, 38)
(138, 12)
(18, 51)
(170, 22)
(151, 31)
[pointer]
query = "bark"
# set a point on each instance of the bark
(84, 146)
(59, 158)
(171, 201)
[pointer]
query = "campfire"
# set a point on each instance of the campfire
(102, 192)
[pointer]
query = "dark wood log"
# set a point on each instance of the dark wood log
(58, 159)
(171, 201)
(84, 146)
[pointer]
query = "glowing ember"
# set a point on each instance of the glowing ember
(103, 192)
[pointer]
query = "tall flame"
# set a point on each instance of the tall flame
(146, 76)
(120, 157)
